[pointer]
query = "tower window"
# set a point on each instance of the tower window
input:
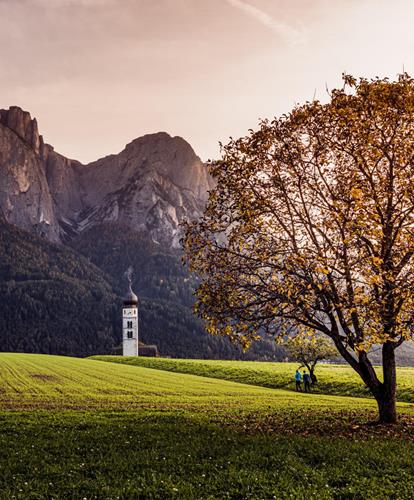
(129, 324)
(129, 334)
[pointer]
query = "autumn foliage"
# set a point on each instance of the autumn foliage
(310, 228)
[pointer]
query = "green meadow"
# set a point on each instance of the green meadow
(83, 428)
(339, 380)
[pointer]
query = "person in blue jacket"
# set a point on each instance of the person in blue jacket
(298, 380)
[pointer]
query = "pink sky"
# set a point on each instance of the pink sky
(98, 73)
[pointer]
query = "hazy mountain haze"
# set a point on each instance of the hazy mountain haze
(98, 73)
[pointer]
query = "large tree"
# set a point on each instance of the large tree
(311, 227)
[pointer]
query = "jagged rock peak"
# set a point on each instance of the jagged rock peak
(171, 157)
(163, 146)
(20, 121)
(160, 139)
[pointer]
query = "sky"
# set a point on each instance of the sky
(98, 73)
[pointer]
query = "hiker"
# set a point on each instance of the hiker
(298, 380)
(306, 381)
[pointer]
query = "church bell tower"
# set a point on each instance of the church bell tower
(130, 323)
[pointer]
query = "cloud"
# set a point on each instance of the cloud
(288, 33)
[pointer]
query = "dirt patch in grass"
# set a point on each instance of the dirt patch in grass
(44, 377)
(355, 425)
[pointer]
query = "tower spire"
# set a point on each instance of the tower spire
(130, 320)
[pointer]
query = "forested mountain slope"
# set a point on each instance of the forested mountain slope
(52, 300)
(165, 289)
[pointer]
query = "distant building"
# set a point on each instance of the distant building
(130, 344)
(148, 350)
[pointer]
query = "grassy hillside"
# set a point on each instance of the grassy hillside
(54, 382)
(338, 380)
(81, 428)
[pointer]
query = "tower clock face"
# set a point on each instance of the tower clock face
(130, 312)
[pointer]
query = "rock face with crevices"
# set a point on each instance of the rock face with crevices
(25, 197)
(151, 186)
(22, 125)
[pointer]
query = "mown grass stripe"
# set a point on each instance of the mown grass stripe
(336, 380)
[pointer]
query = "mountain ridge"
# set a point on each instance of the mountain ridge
(151, 185)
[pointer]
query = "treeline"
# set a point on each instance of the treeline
(52, 300)
(157, 273)
(55, 300)
(165, 289)
(178, 333)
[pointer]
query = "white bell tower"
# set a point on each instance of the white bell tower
(130, 323)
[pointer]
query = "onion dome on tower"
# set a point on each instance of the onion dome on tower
(130, 298)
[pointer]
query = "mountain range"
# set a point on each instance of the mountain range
(69, 232)
(155, 182)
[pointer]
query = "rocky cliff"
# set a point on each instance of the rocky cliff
(155, 182)
(25, 196)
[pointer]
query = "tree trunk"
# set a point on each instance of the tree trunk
(313, 376)
(384, 393)
(387, 410)
(386, 397)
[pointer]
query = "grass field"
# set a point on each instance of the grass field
(81, 428)
(339, 380)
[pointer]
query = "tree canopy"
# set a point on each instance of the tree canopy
(310, 228)
(309, 350)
